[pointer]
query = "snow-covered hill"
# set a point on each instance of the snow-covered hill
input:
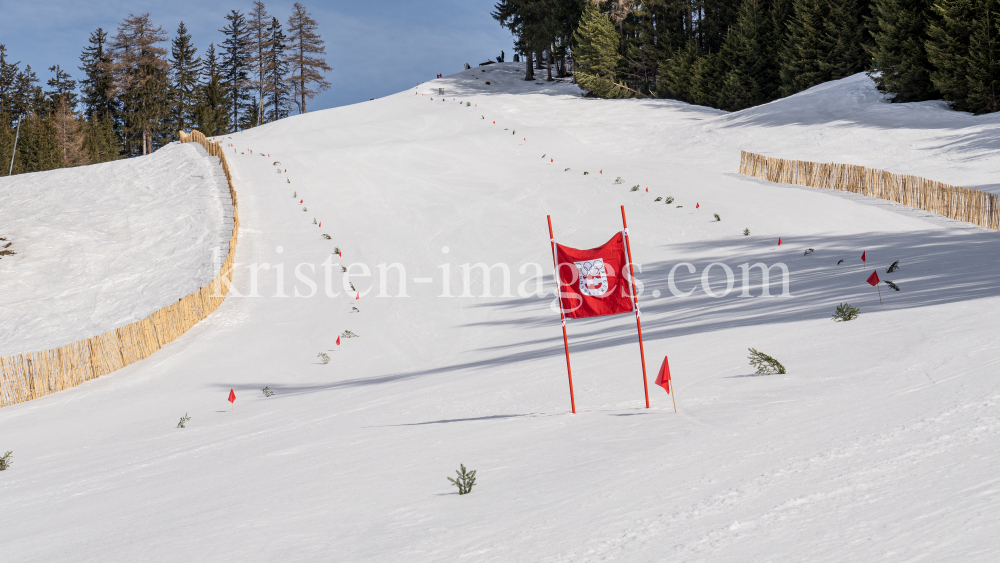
(102, 246)
(877, 444)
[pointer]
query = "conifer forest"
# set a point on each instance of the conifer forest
(137, 86)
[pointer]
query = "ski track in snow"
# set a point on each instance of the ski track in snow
(877, 445)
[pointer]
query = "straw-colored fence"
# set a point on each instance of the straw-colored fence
(964, 204)
(31, 375)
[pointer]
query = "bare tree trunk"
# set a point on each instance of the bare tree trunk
(529, 73)
(548, 63)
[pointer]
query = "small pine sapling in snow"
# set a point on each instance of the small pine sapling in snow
(352, 286)
(305, 208)
(746, 232)
(326, 236)
(267, 391)
(669, 200)
(314, 220)
(276, 163)
(183, 421)
(349, 334)
(635, 188)
(336, 250)
(893, 267)
(717, 218)
(766, 365)
(355, 310)
(465, 481)
(841, 261)
(808, 252)
(467, 104)
(5, 461)
(619, 180)
(343, 269)
(288, 180)
(845, 312)
(567, 170)
(543, 156)
(295, 195)
(657, 199)
(323, 358)
(892, 285)
(585, 172)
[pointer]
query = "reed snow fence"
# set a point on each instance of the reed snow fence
(955, 202)
(31, 375)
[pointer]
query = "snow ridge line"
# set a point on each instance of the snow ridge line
(31, 375)
(955, 202)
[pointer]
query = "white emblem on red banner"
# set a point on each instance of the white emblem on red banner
(593, 277)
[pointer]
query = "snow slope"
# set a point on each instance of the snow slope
(877, 444)
(102, 246)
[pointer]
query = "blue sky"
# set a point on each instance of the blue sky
(375, 48)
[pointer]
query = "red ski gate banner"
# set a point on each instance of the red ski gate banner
(592, 283)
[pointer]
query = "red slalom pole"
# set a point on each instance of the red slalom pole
(635, 303)
(562, 316)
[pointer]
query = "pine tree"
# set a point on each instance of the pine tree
(27, 96)
(185, 70)
(259, 26)
(677, 74)
(984, 59)
(235, 65)
(8, 87)
(63, 87)
(948, 49)
(212, 111)
(900, 33)
(37, 148)
(96, 87)
(305, 50)
(6, 143)
(101, 142)
(596, 55)
(753, 74)
(276, 101)
(139, 75)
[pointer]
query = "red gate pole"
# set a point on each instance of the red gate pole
(635, 304)
(562, 316)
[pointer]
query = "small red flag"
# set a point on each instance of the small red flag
(602, 171)
(647, 190)
(697, 205)
(232, 396)
(286, 170)
(358, 297)
(494, 123)
(338, 340)
(863, 256)
(551, 160)
(663, 378)
(301, 200)
(321, 223)
(873, 279)
(779, 241)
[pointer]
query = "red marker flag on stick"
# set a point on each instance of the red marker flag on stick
(779, 241)
(873, 280)
(232, 397)
(338, 341)
(591, 283)
(663, 380)
(863, 256)
(358, 297)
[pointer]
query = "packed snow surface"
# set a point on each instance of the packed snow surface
(878, 444)
(101, 246)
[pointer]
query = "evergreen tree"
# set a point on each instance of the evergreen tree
(63, 87)
(6, 143)
(101, 142)
(259, 26)
(185, 70)
(139, 75)
(984, 59)
(8, 88)
(677, 73)
(37, 148)
(948, 49)
(276, 92)
(900, 33)
(753, 74)
(825, 42)
(305, 57)
(98, 99)
(212, 110)
(27, 96)
(596, 55)
(236, 65)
